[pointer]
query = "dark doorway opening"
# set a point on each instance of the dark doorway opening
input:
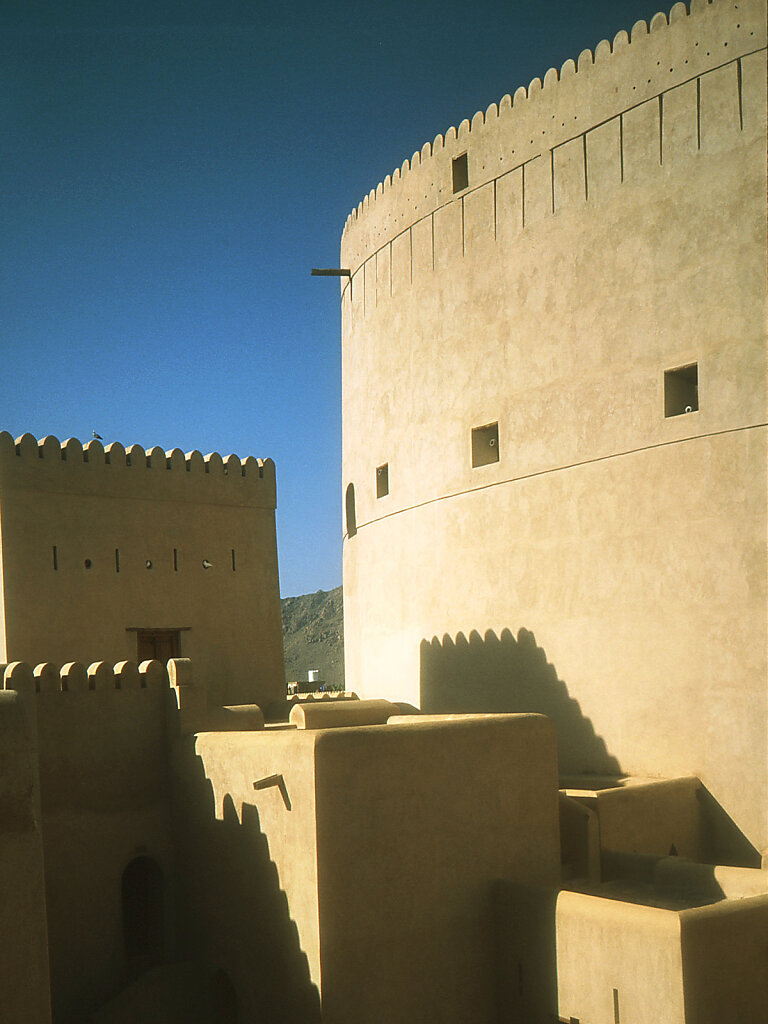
(143, 918)
(222, 999)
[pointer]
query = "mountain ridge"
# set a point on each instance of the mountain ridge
(313, 637)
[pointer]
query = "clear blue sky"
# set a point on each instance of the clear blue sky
(169, 172)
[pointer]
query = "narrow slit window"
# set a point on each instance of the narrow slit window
(234, 566)
(616, 1015)
(382, 480)
(351, 515)
(55, 557)
(175, 559)
(117, 559)
(460, 172)
(681, 390)
(485, 445)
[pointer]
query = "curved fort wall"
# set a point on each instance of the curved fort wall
(609, 236)
(100, 546)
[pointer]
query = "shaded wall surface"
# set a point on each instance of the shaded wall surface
(24, 976)
(362, 881)
(415, 824)
(104, 804)
(97, 545)
(613, 229)
(507, 674)
(724, 961)
(249, 875)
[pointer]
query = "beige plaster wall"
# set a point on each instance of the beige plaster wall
(525, 953)
(415, 822)
(701, 965)
(724, 961)
(104, 799)
(89, 503)
(24, 976)
(605, 945)
(363, 869)
(589, 957)
(249, 870)
(652, 818)
(614, 228)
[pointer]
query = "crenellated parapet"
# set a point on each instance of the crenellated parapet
(189, 695)
(607, 118)
(50, 465)
(75, 677)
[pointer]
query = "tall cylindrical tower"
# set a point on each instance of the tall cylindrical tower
(554, 410)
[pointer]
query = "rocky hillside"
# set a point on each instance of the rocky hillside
(313, 637)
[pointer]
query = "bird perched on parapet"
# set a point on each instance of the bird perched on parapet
(97, 437)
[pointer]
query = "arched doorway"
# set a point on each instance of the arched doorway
(222, 999)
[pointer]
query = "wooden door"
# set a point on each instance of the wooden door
(158, 644)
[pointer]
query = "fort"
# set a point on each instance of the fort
(554, 410)
(546, 797)
(108, 553)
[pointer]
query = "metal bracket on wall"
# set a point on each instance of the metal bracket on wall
(275, 780)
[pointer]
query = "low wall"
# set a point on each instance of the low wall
(24, 979)
(104, 800)
(415, 823)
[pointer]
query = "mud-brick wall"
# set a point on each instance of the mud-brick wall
(98, 544)
(611, 229)
(104, 800)
(24, 980)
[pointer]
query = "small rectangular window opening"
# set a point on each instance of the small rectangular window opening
(158, 644)
(460, 172)
(681, 390)
(117, 559)
(55, 557)
(382, 480)
(175, 559)
(234, 567)
(485, 445)
(616, 1018)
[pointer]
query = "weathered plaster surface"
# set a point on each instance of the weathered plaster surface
(121, 511)
(614, 228)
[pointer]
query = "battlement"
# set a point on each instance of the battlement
(189, 695)
(135, 471)
(74, 677)
(643, 64)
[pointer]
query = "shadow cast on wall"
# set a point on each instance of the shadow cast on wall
(236, 917)
(725, 843)
(504, 674)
